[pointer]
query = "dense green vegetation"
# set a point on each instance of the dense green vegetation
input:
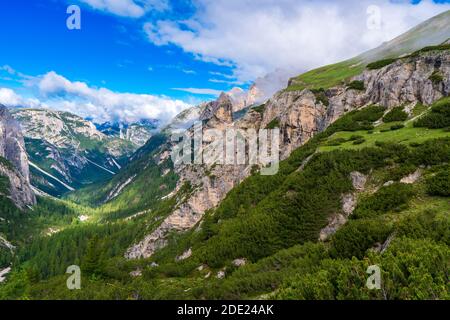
(260, 109)
(270, 224)
(327, 77)
(436, 77)
(439, 184)
(396, 114)
(380, 64)
(321, 96)
(275, 123)
(356, 85)
(439, 117)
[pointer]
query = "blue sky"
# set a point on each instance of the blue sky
(134, 55)
(109, 50)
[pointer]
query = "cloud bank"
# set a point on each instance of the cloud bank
(56, 92)
(258, 37)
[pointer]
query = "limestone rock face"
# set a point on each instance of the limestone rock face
(412, 178)
(299, 118)
(218, 113)
(407, 81)
(12, 148)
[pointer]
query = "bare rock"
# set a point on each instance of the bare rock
(136, 273)
(334, 223)
(239, 262)
(348, 203)
(16, 169)
(186, 255)
(358, 180)
(412, 178)
(221, 275)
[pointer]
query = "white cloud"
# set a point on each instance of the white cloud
(128, 8)
(101, 104)
(16, 75)
(204, 91)
(187, 71)
(10, 98)
(257, 38)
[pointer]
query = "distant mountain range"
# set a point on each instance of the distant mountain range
(67, 152)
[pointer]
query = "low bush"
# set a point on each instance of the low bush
(359, 141)
(439, 185)
(397, 127)
(260, 109)
(356, 237)
(358, 120)
(275, 123)
(390, 198)
(356, 85)
(380, 64)
(439, 117)
(321, 96)
(396, 114)
(436, 77)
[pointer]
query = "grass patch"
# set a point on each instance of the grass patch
(405, 136)
(275, 123)
(327, 77)
(436, 77)
(260, 109)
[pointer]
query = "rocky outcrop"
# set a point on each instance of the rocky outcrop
(186, 255)
(412, 178)
(14, 165)
(218, 114)
(408, 80)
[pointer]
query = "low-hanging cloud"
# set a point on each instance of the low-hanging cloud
(100, 104)
(257, 37)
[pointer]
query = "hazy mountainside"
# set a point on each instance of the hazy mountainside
(364, 180)
(14, 170)
(67, 152)
(431, 32)
(138, 132)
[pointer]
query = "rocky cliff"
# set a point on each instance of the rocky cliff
(14, 161)
(299, 116)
